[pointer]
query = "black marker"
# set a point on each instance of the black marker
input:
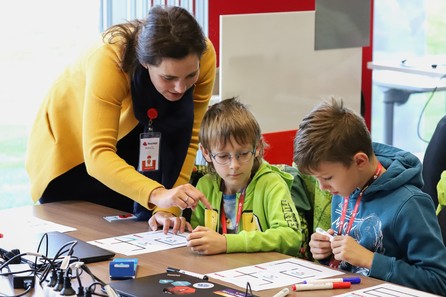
(197, 275)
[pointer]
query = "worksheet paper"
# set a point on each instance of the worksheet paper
(28, 228)
(141, 243)
(386, 290)
(32, 225)
(275, 274)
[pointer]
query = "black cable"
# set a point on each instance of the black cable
(92, 287)
(80, 290)
(45, 235)
(10, 260)
(28, 286)
(94, 277)
(70, 250)
(424, 109)
(28, 289)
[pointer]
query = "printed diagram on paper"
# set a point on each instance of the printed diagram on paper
(140, 243)
(274, 274)
(386, 290)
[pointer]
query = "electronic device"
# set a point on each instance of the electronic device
(84, 251)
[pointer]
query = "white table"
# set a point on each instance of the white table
(400, 80)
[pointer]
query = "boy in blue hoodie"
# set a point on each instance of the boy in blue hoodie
(384, 226)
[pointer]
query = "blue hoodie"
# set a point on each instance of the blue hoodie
(397, 221)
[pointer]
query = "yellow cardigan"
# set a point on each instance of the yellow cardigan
(86, 112)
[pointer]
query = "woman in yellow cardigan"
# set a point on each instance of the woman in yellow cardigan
(120, 126)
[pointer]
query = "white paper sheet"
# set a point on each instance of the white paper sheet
(275, 274)
(144, 242)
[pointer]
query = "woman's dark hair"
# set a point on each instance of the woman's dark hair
(167, 32)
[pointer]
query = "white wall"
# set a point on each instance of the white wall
(268, 61)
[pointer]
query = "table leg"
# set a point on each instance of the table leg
(392, 96)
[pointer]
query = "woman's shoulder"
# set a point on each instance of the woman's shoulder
(209, 57)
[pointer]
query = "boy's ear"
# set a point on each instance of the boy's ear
(259, 147)
(361, 160)
(257, 151)
(206, 154)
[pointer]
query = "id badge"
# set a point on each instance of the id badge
(149, 151)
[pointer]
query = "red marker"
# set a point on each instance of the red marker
(310, 287)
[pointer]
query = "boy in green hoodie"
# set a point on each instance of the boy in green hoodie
(252, 206)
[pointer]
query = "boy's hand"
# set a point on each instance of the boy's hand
(206, 241)
(166, 219)
(320, 245)
(346, 248)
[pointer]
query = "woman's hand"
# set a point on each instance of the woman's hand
(184, 196)
(166, 219)
(206, 241)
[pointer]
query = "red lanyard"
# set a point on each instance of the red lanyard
(239, 214)
(355, 209)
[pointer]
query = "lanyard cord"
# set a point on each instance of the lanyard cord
(333, 262)
(239, 213)
(355, 209)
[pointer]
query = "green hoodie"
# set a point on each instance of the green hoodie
(269, 221)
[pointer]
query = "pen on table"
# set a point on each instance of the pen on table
(325, 286)
(353, 280)
(323, 232)
(197, 275)
(282, 293)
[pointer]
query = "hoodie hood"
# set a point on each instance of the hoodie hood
(266, 168)
(402, 169)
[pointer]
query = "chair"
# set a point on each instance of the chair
(434, 163)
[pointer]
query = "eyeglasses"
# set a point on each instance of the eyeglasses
(226, 158)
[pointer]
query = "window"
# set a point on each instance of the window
(418, 32)
(39, 40)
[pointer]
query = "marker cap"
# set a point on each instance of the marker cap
(353, 280)
(342, 285)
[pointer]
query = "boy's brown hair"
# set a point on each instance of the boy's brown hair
(330, 133)
(230, 119)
